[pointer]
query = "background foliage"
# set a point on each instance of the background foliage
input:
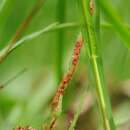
(26, 99)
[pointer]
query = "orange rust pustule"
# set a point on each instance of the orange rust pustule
(77, 49)
(67, 78)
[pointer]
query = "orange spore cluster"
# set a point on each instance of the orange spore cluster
(67, 78)
(77, 49)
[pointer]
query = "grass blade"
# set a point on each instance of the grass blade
(6, 7)
(116, 22)
(78, 111)
(60, 39)
(90, 37)
(2, 3)
(23, 26)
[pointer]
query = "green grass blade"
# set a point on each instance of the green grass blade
(78, 110)
(60, 40)
(6, 7)
(3, 52)
(34, 35)
(2, 3)
(90, 37)
(113, 17)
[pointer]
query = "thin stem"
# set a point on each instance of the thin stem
(50, 28)
(78, 110)
(89, 33)
(3, 85)
(33, 35)
(21, 29)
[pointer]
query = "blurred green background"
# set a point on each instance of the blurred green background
(26, 99)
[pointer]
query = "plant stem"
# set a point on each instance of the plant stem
(24, 25)
(3, 85)
(90, 36)
(78, 110)
(60, 40)
(50, 28)
(97, 20)
(57, 99)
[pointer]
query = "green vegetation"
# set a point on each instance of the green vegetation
(64, 65)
